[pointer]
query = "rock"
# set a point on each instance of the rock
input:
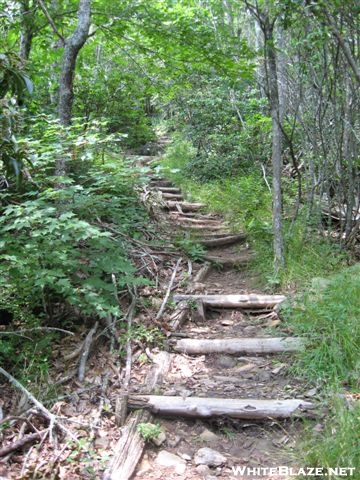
(185, 456)
(143, 467)
(225, 361)
(209, 457)
(311, 393)
(208, 436)
(250, 330)
(203, 470)
(160, 439)
(167, 459)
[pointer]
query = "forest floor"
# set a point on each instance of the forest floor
(88, 408)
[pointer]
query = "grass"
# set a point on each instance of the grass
(328, 315)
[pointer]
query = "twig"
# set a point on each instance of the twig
(25, 330)
(52, 418)
(85, 353)
(166, 298)
(266, 180)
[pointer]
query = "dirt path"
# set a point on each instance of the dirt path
(247, 442)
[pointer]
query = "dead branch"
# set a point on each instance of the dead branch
(166, 298)
(85, 353)
(52, 418)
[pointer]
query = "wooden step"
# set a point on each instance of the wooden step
(219, 241)
(185, 206)
(242, 345)
(234, 301)
(172, 196)
(168, 189)
(196, 220)
(206, 407)
(158, 182)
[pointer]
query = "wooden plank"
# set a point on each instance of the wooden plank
(196, 407)
(194, 346)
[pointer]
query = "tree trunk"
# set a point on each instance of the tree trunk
(27, 29)
(273, 93)
(73, 45)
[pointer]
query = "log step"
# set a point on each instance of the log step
(168, 189)
(213, 407)
(223, 240)
(185, 206)
(235, 301)
(172, 196)
(160, 183)
(196, 220)
(242, 345)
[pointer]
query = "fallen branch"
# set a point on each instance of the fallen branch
(31, 438)
(166, 298)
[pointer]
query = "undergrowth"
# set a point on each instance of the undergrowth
(65, 253)
(246, 203)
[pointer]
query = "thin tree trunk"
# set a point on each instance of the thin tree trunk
(73, 45)
(273, 92)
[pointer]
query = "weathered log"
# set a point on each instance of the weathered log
(235, 301)
(220, 241)
(129, 448)
(247, 408)
(160, 183)
(185, 206)
(197, 227)
(172, 196)
(202, 221)
(168, 189)
(194, 346)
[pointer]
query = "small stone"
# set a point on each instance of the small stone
(144, 467)
(250, 330)
(208, 436)
(185, 456)
(160, 439)
(225, 361)
(203, 470)
(227, 323)
(210, 457)
(311, 393)
(167, 459)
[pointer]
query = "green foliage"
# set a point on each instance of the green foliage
(149, 431)
(193, 250)
(337, 446)
(328, 317)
